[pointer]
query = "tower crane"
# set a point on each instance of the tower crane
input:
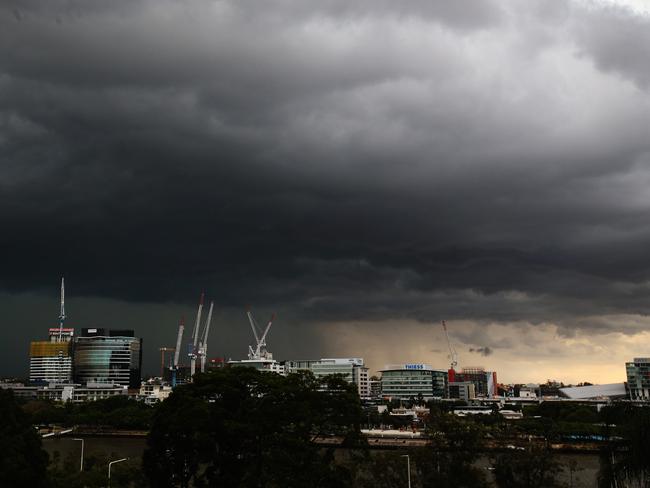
(453, 355)
(193, 351)
(177, 350)
(203, 344)
(260, 351)
(164, 350)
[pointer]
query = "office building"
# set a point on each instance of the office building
(352, 370)
(51, 361)
(108, 356)
(638, 378)
(462, 390)
(406, 381)
(484, 381)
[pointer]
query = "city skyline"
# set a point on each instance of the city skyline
(365, 171)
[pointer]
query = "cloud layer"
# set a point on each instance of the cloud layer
(483, 162)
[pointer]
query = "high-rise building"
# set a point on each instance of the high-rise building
(407, 381)
(51, 361)
(638, 378)
(108, 356)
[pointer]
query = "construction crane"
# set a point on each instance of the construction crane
(260, 351)
(453, 356)
(163, 350)
(203, 344)
(193, 351)
(177, 350)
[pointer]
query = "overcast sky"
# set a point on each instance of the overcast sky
(364, 169)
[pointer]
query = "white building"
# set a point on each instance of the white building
(406, 381)
(67, 392)
(353, 371)
(264, 365)
(152, 392)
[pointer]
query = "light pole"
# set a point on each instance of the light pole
(408, 468)
(61, 432)
(109, 469)
(81, 465)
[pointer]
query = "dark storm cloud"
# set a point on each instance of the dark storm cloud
(483, 351)
(477, 160)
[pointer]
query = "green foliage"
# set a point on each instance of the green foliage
(65, 473)
(532, 468)
(23, 462)
(118, 412)
(627, 462)
(559, 411)
(238, 427)
(449, 462)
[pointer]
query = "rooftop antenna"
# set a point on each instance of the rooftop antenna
(62, 314)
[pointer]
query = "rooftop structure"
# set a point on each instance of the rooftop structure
(610, 390)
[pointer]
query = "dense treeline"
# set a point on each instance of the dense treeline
(240, 428)
(118, 412)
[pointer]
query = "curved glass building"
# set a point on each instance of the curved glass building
(108, 356)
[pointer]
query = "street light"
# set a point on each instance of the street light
(81, 465)
(109, 469)
(408, 468)
(61, 432)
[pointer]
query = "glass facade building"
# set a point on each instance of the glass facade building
(108, 356)
(407, 381)
(638, 378)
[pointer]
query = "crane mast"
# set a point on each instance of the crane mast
(203, 345)
(453, 355)
(179, 339)
(195, 337)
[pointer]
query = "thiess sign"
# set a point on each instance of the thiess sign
(414, 366)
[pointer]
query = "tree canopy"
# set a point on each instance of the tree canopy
(23, 462)
(239, 427)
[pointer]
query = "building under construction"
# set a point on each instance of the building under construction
(51, 361)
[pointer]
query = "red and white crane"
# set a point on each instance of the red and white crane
(453, 355)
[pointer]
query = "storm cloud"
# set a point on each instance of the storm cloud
(481, 162)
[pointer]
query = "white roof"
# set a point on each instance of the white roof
(594, 391)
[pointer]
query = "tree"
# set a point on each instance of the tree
(242, 428)
(23, 462)
(531, 468)
(449, 462)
